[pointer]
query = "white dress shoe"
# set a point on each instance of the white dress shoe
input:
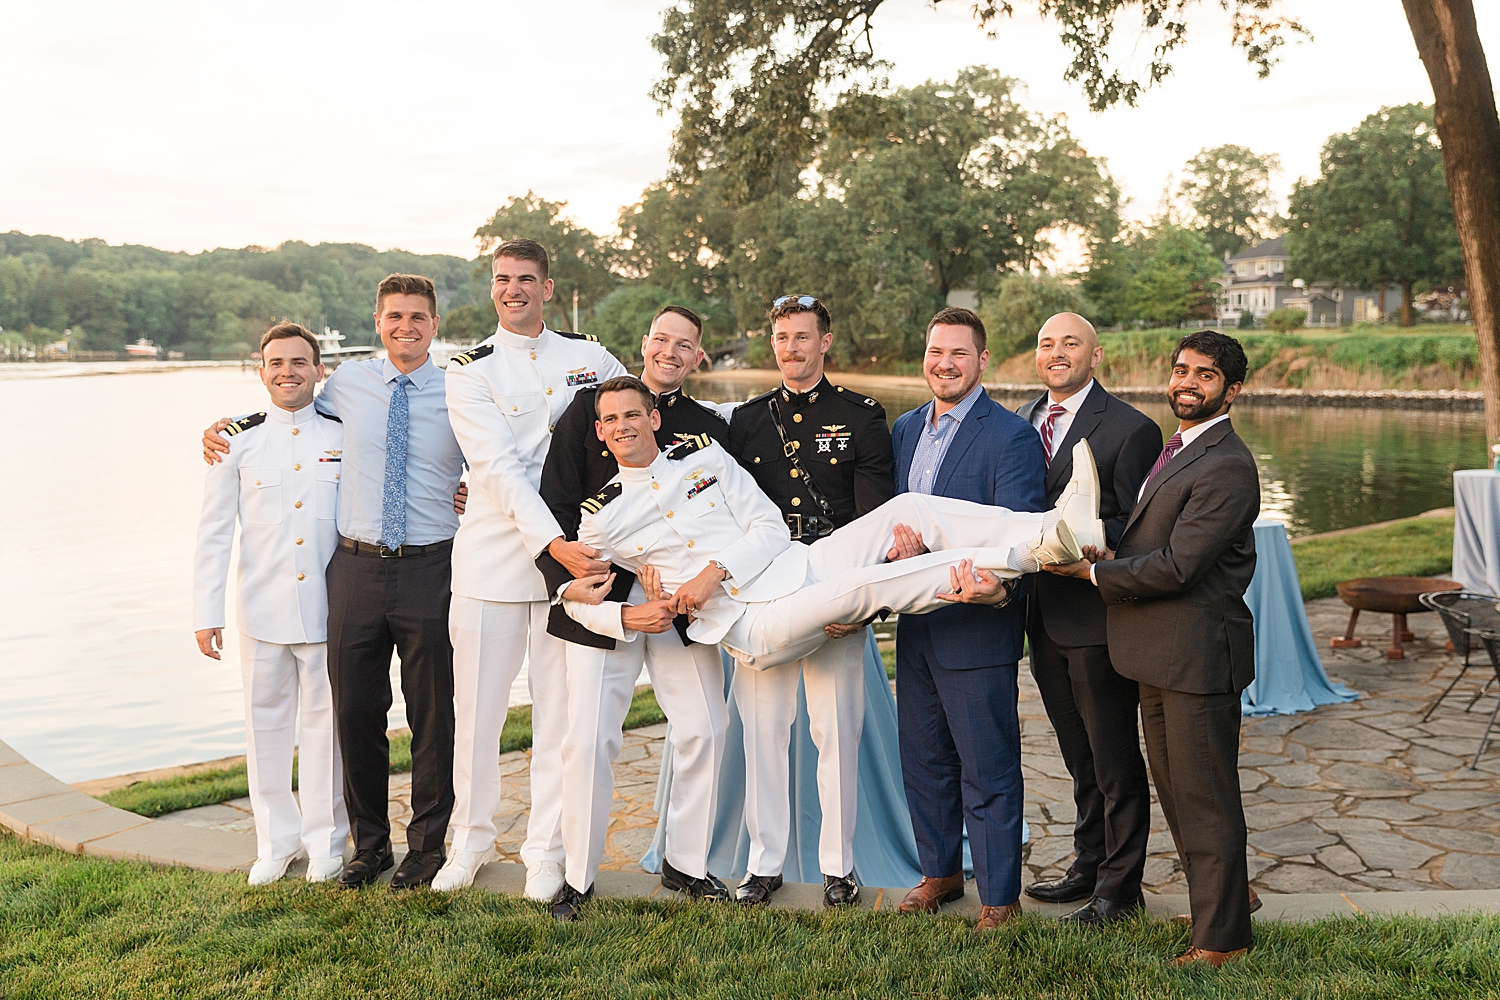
(268, 871)
(460, 869)
(324, 869)
(543, 879)
(1079, 502)
(1057, 547)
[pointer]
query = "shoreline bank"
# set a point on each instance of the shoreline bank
(1457, 400)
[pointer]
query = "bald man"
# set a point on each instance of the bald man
(1092, 708)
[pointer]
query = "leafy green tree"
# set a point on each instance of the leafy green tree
(580, 259)
(1226, 192)
(1173, 282)
(1285, 320)
(1380, 212)
(680, 236)
(1025, 301)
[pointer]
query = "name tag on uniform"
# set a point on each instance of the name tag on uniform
(833, 438)
(582, 376)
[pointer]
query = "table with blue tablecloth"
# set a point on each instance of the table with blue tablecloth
(1289, 676)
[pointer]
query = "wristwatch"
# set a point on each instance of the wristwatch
(722, 568)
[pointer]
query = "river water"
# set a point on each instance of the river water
(99, 501)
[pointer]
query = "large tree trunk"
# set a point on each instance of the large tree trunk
(1469, 127)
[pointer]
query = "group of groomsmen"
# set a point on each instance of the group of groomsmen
(351, 548)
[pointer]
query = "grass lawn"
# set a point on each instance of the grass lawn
(78, 926)
(206, 788)
(1419, 546)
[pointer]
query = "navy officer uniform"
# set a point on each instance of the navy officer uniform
(824, 458)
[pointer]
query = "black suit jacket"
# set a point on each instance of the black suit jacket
(1176, 587)
(1126, 444)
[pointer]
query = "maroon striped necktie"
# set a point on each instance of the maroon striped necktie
(1174, 445)
(1048, 425)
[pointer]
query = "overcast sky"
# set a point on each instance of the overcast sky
(405, 123)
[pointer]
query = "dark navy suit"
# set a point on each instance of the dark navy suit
(956, 669)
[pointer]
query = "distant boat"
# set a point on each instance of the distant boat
(331, 347)
(142, 348)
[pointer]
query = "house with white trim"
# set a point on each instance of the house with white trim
(1255, 281)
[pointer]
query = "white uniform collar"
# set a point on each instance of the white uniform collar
(632, 475)
(516, 342)
(288, 418)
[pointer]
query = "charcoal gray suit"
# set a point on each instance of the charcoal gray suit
(1091, 707)
(1179, 625)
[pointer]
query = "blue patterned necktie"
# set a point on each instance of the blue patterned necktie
(393, 498)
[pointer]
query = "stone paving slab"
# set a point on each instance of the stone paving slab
(176, 844)
(73, 833)
(23, 780)
(19, 816)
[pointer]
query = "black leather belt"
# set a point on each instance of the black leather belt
(400, 551)
(808, 526)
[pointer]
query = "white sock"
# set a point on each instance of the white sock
(1022, 559)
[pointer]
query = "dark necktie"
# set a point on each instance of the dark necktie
(1048, 426)
(1174, 445)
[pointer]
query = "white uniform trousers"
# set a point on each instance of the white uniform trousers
(689, 685)
(278, 676)
(834, 677)
(848, 579)
(491, 641)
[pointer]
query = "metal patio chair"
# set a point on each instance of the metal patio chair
(1463, 611)
(1491, 641)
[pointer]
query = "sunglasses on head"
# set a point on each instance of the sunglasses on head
(806, 301)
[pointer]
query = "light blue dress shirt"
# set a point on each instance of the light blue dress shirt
(359, 394)
(934, 442)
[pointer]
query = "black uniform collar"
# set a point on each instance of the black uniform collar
(810, 396)
(672, 398)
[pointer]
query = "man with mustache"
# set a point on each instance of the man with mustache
(687, 677)
(956, 668)
(1179, 625)
(823, 455)
(1091, 707)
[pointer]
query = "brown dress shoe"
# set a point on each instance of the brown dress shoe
(1186, 919)
(930, 893)
(991, 917)
(1213, 958)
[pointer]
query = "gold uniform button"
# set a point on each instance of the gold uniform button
(302, 576)
(656, 486)
(551, 428)
(298, 505)
(734, 592)
(757, 461)
(797, 417)
(795, 473)
(295, 432)
(833, 461)
(297, 467)
(549, 390)
(640, 548)
(299, 541)
(533, 355)
(690, 543)
(605, 453)
(515, 409)
(712, 504)
(335, 478)
(669, 513)
(796, 501)
(257, 482)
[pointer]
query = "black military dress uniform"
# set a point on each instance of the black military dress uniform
(579, 464)
(824, 457)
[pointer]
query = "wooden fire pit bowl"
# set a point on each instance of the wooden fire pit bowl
(1396, 596)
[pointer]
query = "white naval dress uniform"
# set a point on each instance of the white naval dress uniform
(280, 481)
(503, 398)
(695, 505)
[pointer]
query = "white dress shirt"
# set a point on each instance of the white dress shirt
(503, 404)
(359, 393)
(280, 480)
(1064, 421)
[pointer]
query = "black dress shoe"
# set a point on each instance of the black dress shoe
(840, 890)
(707, 887)
(757, 889)
(366, 867)
(1072, 887)
(1098, 912)
(418, 868)
(568, 903)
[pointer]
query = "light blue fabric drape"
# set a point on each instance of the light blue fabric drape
(885, 850)
(1289, 676)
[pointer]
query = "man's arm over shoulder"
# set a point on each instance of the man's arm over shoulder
(1020, 477)
(1142, 446)
(494, 464)
(1222, 503)
(563, 487)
